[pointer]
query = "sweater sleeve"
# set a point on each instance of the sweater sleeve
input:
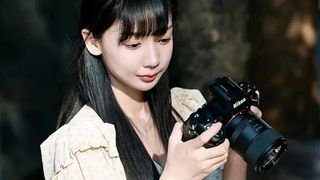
(85, 148)
(186, 101)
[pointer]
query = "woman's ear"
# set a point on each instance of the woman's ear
(91, 42)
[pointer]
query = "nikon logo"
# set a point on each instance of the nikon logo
(238, 103)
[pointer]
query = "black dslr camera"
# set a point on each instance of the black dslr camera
(253, 139)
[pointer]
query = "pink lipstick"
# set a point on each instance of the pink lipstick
(148, 78)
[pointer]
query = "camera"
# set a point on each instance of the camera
(252, 138)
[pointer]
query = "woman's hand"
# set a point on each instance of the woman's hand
(256, 111)
(190, 160)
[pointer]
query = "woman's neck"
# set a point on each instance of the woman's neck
(136, 108)
(132, 103)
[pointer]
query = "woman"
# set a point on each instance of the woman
(117, 121)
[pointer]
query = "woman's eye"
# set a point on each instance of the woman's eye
(164, 40)
(133, 46)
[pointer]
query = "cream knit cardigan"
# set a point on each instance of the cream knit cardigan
(85, 148)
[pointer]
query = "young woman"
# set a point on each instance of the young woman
(117, 122)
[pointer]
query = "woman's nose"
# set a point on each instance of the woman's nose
(152, 59)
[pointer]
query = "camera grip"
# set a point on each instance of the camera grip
(195, 126)
(217, 139)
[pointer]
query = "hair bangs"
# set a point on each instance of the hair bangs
(144, 18)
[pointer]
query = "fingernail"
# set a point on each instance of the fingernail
(218, 123)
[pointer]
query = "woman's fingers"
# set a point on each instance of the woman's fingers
(219, 151)
(256, 111)
(214, 163)
(190, 158)
(216, 153)
(204, 137)
(217, 165)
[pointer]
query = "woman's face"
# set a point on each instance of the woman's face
(135, 64)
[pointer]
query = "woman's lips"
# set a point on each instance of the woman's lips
(148, 78)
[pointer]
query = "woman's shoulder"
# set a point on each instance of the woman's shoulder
(85, 131)
(186, 101)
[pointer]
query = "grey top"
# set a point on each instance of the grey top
(216, 175)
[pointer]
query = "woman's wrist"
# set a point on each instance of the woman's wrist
(235, 168)
(169, 175)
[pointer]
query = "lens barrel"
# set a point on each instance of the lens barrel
(259, 144)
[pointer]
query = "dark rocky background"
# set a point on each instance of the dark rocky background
(272, 43)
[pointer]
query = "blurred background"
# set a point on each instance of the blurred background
(271, 43)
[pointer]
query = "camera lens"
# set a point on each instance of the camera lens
(258, 143)
(272, 156)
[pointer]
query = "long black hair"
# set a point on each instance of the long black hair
(93, 87)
